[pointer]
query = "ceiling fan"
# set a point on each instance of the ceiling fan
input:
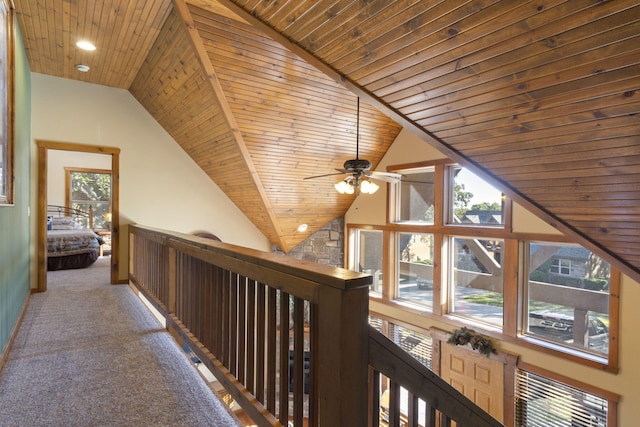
(359, 171)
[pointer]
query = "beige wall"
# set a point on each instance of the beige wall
(160, 185)
(372, 210)
(56, 174)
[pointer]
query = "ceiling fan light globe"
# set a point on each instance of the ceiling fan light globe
(368, 187)
(343, 187)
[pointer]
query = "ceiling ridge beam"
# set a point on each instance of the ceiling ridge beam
(212, 78)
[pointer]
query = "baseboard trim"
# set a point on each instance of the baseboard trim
(5, 351)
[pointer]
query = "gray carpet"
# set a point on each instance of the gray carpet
(90, 354)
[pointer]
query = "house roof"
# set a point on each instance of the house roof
(540, 99)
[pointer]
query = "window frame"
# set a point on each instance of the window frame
(582, 355)
(395, 196)
(448, 207)
(69, 171)
(357, 253)
(560, 266)
(398, 270)
(612, 399)
(7, 95)
(512, 264)
(451, 300)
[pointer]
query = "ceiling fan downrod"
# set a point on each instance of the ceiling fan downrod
(357, 165)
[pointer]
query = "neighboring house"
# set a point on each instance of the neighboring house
(482, 217)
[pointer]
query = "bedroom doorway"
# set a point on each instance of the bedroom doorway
(112, 217)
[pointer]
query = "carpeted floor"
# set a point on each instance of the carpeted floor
(90, 354)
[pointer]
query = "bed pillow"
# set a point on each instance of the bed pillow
(64, 223)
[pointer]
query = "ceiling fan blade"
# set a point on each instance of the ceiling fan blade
(326, 174)
(390, 177)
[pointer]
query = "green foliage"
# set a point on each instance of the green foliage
(596, 284)
(494, 299)
(466, 336)
(461, 199)
(95, 186)
(91, 190)
(539, 276)
(573, 282)
(484, 206)
(429, 214)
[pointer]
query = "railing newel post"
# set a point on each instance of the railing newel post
(343, 351)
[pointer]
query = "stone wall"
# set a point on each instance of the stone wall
(325, 246)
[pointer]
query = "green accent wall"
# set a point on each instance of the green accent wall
(14, 220)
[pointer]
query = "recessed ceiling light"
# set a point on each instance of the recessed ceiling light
(85, 45)
(302, 227)
(82, 67)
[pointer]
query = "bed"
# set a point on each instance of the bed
(69, 244)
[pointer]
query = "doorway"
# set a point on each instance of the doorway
(43, 147)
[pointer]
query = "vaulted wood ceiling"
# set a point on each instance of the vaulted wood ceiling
(540, 97)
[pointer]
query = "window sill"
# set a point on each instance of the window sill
(573, 354)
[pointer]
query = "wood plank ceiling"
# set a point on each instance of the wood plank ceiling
(541, 97)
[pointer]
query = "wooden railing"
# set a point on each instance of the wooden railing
(426, 398)
(263, 324)
(288, 339)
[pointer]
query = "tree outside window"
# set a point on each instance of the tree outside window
(473, 200)
(90, 191)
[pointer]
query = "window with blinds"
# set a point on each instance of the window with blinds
(544, 402)
(376, 322)
(416, 344)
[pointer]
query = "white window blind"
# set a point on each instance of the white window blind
(376, 323)
(416, 344)
(544, 402)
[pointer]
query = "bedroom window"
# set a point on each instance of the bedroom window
(89, 190)
(561, 266)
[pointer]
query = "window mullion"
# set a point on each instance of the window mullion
(510, 261)
(390, 288)
(439, 281)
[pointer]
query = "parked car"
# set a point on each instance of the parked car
(559, 326)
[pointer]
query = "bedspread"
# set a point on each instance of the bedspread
(72, 242)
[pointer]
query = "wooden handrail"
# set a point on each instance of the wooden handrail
(441, 399)
(244, 314)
